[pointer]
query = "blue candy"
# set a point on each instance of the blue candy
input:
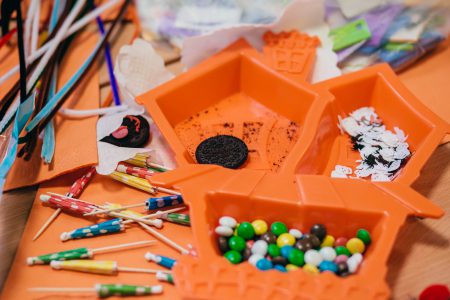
(164, 261)
(264, 264)
(328, 266)
(285, 250)
(280, 268)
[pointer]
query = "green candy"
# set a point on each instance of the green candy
(278, 228)
(364, 236)
(274, 250)
(342, 250)
(296, 257)
(233, 257)
(237, 243)
(246, 230)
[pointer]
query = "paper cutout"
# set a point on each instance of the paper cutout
(303, 15)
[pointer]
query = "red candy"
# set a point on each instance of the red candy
(340, 241)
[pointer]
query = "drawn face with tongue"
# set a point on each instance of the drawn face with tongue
(134, 132)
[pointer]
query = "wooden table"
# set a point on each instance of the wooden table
(420, 257)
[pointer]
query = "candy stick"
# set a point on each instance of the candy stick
(75, 191)
(107, 290)
(163, 261)
(79, 253)
(166, 201)
(142, 160)
(105, 267)
(163, 276)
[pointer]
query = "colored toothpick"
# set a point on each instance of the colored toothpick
(105, 267)
(106, 290)
(80, 253)
(75, 191)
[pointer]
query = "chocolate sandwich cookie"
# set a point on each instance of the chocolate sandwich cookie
(223, 150)
(134, 132)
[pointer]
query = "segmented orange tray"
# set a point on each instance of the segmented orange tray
(294, 143)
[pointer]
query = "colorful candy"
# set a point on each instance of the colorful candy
(285, 249)
(260, 227)
(107, 227)
(166, 201)
(164, 261)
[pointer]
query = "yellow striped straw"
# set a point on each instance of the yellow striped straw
(136, 182)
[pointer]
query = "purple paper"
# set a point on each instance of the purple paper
(379, 21)
(344, 53)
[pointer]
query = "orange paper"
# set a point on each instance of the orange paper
(76, 139)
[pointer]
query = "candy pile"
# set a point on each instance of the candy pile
(286, 250)
(383, 153)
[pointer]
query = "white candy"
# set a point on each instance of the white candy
(254, 258)
(260, 248)
(296, 233)
(358, 257)
(353, 262)
(389, 138)
(224, 231)
(228, 221)
(313, 257)
(380, 177)
(328, 253)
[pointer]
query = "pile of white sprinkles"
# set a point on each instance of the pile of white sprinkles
(383, 152)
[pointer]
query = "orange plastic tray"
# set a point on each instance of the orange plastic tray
(287, 178)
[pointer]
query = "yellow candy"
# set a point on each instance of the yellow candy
(235, 230)
(291, 267)
(285, 239)
(260, 227)
(311, 269)
(328, 241)
(355, 245)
